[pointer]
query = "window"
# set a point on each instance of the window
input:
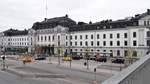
(86, 36)
(148, 42)
(70, 43)
(118, 52)
(86, 43)
(148, 33)
(45, 38)
(125, 43)
(97, 43)
(111, 43)
(134, 54)
(118, 43)
(38, 38)
(134, 34)
(41, 38)
(80, 36)
(66, 43)
(125, 35)
(80, 43)
(111, 35)
(49, 38)
(66, 37)
(58, 37)
(104, 36)
(104, 43)
(75, 37)
(125, 53)
(148, 23)
(97, 36)
(75, 43)
(70, 37)
(53, 38)
(92, 36)
(91, 43)
(118, 35)
(134, 43)
(144, 23)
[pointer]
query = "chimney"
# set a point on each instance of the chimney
(45, 19)
(90, 22)
(66, 15)
(148, 11)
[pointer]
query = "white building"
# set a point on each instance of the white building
(118, 37)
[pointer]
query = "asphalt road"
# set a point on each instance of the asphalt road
(7, 78)
(74, 76)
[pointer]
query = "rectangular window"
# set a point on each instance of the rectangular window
(118, 35)
(125, 43)
(125, 53)
(98, 43)
(118, 43)
(111, 43)
(86, 36)
(75, 43)
(41, 38)
(111, 36)
(134, 34)
(92, 36)
(148, 42)
(148, 33)
(97, 36)
(66, 43)
(75, 37)
(91, 43)
(38, 38)
(70, 37)
(80, 43)
(45, 38)
(53, 37)
(104, 43)
(49, 38)
(58, 37)
(104, 36)
(66, 37)
(80, 36)
(125, 35)
(134, 43)
(144, 23)
(118, 52)
(70, 43)
(86, 43)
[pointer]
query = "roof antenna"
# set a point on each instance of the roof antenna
(46, 9)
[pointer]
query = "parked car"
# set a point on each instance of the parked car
(40, 57)
(102, 59)
(76, 57)
(118, 60)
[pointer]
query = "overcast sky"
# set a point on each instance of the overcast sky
(21, 14)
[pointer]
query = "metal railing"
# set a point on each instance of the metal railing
(137, 73)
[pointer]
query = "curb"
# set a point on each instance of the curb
(34, 75)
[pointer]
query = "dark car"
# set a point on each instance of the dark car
(118, 60)
(76, 57)
(102, 59)
(40, 57)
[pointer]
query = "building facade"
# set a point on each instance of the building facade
(62, 34)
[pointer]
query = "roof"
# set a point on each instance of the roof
(53, 22)
(13, 32)
(81, 26)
